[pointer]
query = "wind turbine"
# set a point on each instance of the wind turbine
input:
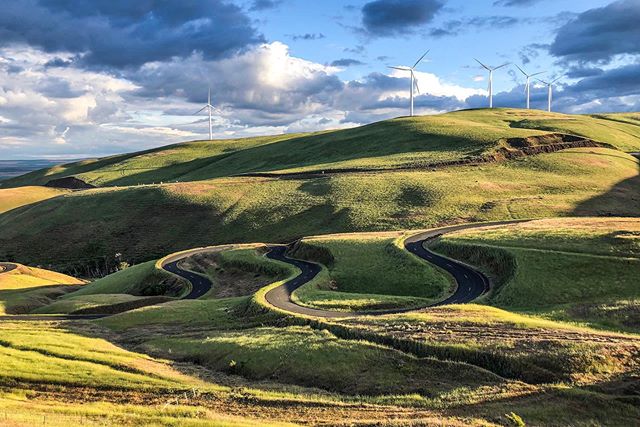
(208, 107)
(528, 85)
(549, 90)
(491, 70)
(414, 80)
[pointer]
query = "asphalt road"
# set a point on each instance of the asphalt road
(471, 283)
(200, 285)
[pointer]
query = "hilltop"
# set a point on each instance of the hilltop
(402, 143)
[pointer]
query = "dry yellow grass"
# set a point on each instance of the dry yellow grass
(12, 198)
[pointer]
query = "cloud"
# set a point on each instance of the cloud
(512, 3)
(385, 18)
(258, 5)
(121, 33)
(346, 62)
(455, 27)
(600, 34)
(307, 36)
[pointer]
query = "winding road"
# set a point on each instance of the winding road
(470, 283)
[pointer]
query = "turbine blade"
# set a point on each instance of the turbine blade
(542, 81)
(483, 66)
(521, 70)
(401, 68)
(415, 81)
(503, 65)
(537, 74)
(421, 58)
(202, 109)
(553, 81)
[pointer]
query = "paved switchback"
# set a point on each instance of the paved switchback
(470, 283)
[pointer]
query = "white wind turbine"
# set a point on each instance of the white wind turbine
(549, 91)
(208, 107)
(414, 80)
(491, 70)
(528, 85)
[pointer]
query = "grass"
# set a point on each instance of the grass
(402, 142)
(303, 356)
(369, 273)
(564, 268)
(26, 288)
(74, 303)
(142, 279)
(11, 198)
(145, 223)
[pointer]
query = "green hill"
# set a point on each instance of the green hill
(147, 222)
(399, 143)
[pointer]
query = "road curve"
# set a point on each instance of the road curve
(471, 283)
(200, 285)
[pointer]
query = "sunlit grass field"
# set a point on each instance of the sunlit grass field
(11, 198)
(585, 269)
(26, 288)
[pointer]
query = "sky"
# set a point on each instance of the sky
(85, 79)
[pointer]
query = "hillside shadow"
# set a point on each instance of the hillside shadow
(623, 199)
(380, 139)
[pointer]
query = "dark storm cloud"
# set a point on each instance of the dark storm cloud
(346, 62)
(581, 72)
(382, 18)
(122, 33)
(600, 34)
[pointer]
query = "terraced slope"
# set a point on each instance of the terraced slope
(398, 143)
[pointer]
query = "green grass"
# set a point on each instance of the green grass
(27, 288)
(564, 268)
(12, 198)
(39, 354)
(73, 303)
(145, 223)
(303, 356)
(402, 142)
(142, 279)
(369, 273)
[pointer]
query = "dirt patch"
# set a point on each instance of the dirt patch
(227, 281)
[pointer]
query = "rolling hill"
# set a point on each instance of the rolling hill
(399, 143)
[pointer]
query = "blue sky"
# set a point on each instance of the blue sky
(80, 79)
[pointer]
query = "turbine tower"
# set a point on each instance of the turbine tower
(527, 87)
(491, 70)
(414, 80)
(209, 108)
(549, 91)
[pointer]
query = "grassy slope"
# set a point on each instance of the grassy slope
(369, 273)
(73, 303)
(388, 144)
(26, 288)
(144, 223)
(582, 268)
(11, 198)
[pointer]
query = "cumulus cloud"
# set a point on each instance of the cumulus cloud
(153, 30)
(600, 34)
(383, 18)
